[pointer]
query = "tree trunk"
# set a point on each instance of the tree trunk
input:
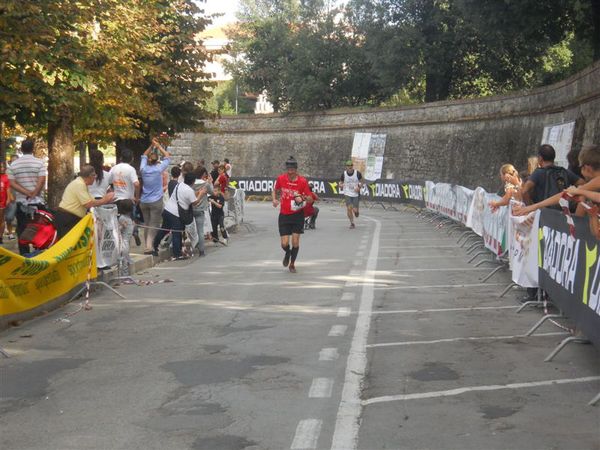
(82, 154)
(2, 149)
(61, 151)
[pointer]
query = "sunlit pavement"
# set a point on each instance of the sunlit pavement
(385, 338)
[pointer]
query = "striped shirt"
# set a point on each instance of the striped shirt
(26, 171)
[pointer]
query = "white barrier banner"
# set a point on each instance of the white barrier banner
(464, 199)
(494, 226)
(476, 211)
(107, 230)
(441, 197)
(523, 249)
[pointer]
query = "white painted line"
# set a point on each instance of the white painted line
(321, 388)
(470, 308)
(344, 312)
(338, 330)
(387, 247)
(441, 239)
(360, 254)
(329, 354)
(354, 273)
(445, 286)
(345, 435)
(348, 296)
(446, 269)
(307, 434)
(459, 339)
(425, 257)
(493, 387)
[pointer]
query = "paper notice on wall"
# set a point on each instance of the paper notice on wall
(375, 157)
(560, 136)
(360, 151)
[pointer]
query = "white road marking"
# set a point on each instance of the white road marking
(449, 269)
(321, 388)
(445, 286)
(493, 387)
(387, 247)
(344, 312)
(459, 339)
(423, 257)
(338, 330)
(307, 434)
(355, 273)
(329, 354)
(470, 308)
(345, 434)
(348, 296)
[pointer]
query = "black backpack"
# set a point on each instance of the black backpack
(557, 180)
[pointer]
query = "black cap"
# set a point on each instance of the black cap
(291, 163)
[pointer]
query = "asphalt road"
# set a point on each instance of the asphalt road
(385, 338)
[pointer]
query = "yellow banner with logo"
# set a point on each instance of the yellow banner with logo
(26, 283)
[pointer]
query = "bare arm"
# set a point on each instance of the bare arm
(274, 198)
(526, 191)
(102, 201)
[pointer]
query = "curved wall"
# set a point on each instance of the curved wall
(462, 142)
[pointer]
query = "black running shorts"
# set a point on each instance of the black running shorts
(291, 223)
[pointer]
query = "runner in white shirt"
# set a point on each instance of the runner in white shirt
(124, 179)
(350, 184)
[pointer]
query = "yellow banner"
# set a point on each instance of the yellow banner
(26, 283)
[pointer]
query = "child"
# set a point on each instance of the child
(126, 231)
(311, 212)
(217, 215)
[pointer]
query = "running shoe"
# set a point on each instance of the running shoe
(356, 214)
(352, 226)
(292, 268)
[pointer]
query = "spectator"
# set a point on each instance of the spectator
(11, 207)
(532, 164)
(228, 167)
(512, 187)
(573, 159)
(27, 176)
(124, 180)
(217, 215)
(126, 227)
(100, 186)
(186, 167)
(201, 184)
(214, 173)
(183, 196)
(77, 200)
(310, 211)
(151, 201)
(5, 197)
(548, 179)
(175, 174)
(222, 181)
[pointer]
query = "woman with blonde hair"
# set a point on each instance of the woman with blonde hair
(512, 187)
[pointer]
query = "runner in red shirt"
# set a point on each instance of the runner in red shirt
(294, 195)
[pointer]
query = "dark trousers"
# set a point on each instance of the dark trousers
(64, 221)
(23, 219)
(170, 222)
(218, 220)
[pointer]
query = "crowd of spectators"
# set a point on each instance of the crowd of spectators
(146, 198)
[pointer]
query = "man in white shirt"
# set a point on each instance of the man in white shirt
(27, 177)
(126, 185)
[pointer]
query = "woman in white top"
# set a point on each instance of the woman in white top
(184, 196)
(100, 186)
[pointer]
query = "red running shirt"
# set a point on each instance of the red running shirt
(289, 189)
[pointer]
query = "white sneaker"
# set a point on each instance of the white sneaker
(225, 242)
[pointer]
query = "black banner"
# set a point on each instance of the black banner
(380, 190)
(569, 270)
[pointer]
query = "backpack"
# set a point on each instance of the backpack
(557, 180)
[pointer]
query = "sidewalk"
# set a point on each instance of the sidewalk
(141, 262)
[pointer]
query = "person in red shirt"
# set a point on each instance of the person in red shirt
(5, 196)
(311, 212)
(223, 181)
(294, 195)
